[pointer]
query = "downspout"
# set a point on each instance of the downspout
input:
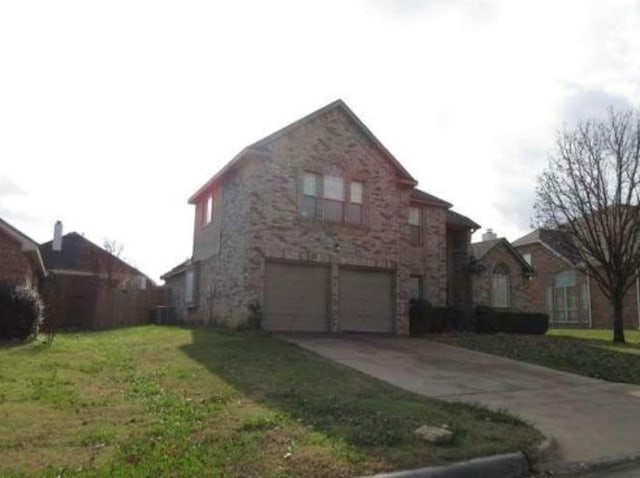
(638, 298)
(589, 299)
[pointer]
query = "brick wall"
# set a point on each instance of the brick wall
(602, 311)
(261, 220)
(519, 284)
(15, 266)
(547, 264)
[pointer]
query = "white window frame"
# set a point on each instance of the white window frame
(501, 299)
(415, 221)
(189, 287)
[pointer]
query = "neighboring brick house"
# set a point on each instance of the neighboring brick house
(323, 228)
(78, 271)
(563, 290)
(500, 275)
(20, 260)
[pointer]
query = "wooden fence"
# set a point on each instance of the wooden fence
(122, 307)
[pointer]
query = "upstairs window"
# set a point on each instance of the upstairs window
(354, 208)
(326, 197)
(415, 226)
(501, 287)
(311, 192)
(527, 257)
(209, 209)
(333, 198)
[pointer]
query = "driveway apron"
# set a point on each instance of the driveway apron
(588, 419)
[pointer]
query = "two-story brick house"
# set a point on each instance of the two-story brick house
(324, 229)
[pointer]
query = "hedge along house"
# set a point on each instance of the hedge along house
(321, 227)
(500, 275)
(562, 289)
(20, 260)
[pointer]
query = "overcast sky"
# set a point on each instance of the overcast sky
(113, 113)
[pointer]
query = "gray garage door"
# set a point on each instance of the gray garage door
(366, 301)
(296, 297)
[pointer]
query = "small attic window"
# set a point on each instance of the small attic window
(527, 257)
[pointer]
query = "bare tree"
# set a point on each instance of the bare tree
(591, 191)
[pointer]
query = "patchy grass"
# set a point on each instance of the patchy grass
(586, 352)
(154, 401)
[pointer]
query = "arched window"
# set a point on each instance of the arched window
(500, 286)
(565, 297)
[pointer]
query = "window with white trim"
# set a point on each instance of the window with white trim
(527, 258)
(501, 287)
(310, 194)
(333, 198)
(565, 297)
(415, 226)
(354, 208)
(189, 290)
(327, 197)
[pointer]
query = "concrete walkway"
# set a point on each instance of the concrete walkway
(588, 419)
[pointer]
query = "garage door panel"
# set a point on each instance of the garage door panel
(366, 300)
(296, 297)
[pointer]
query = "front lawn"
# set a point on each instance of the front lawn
(160, 401)
(589, 352)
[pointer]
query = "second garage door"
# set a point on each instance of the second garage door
(296, 297)
(366, 300)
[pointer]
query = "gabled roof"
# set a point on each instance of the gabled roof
(417, 195)
(455, 219)
(558, 241)
(179, 269)
(480, 249)
(260, 147)
(73, 255)
(28, 245)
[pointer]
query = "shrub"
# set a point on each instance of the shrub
(426, 318)
(491, 321)
(21, 311)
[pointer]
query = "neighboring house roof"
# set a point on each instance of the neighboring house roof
(458, 220)
(73, 256)
(260, 147)
(480, 249)
(179, 269)
(558, 241)
(29, 246)
(422, 196)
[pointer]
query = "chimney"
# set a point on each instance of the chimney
(489, 235)
(57, 237)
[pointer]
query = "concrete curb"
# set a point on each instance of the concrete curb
(542, 453)
(580, 468)
(510, 465)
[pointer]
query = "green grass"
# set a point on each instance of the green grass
(589, 352)
(154, 401)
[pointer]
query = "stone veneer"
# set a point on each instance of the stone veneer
(261, 220)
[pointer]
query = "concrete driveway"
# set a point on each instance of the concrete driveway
(588, 419)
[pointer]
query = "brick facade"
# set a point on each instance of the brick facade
(519, 282)
(16, 268)
(594, 308)
(260, 220)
